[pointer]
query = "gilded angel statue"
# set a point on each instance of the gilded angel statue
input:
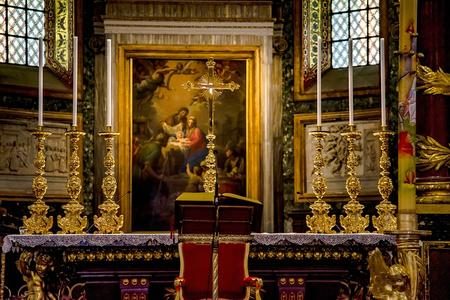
(397, 282)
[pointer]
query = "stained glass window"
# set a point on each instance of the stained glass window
(359, 20)
(22, 23)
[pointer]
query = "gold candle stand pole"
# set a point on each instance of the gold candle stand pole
(109, 222)
(73, 222)
(386, 220)
(320, 221)
(353, 222)
(210, 176)
(38, 222)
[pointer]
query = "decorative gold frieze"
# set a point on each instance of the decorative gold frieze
(38, 222)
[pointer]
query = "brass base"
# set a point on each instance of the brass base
(386, 219)
(354, 222)
(38, 222)
(320, 221)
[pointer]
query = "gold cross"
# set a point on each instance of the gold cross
(211, 87)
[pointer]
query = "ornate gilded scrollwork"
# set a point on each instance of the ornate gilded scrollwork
(431, 154)
(434, 83)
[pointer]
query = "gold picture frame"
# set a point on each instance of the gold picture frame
(181, 59)
(334, 154)
(18, 151)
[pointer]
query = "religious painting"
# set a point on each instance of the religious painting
(18, 151)
(335, 152)
(169, 124)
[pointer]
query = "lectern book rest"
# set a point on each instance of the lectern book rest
(197, 213)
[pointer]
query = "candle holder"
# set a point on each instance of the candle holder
(72, 222)
(109, 222)
(353, 222)
(320, 221)
(210, 176)
(38, 222)
(386, 220)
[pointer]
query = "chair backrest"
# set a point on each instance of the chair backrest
(196, 269)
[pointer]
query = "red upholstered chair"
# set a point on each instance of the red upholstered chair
(195, 279)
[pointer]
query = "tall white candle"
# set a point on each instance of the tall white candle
(382, 83)
(108, 84)
(75, 80)
(319, 81)
(41, 84)
(350, 82)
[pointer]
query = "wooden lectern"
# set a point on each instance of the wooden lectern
(197, 213)
(214, 246)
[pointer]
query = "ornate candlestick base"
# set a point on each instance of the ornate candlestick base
(353, 222)
(109, 222)
(38, 222)
(386, 220)
(209, 184)
(320, 221)
(72, 222)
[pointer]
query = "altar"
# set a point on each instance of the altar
(144, 266)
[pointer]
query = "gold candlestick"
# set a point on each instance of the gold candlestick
(386, 219)
(109, 222)
(72, 222)
(353, 222)
(38, 222)
(320, 221)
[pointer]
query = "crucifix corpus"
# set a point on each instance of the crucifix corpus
(211, 87)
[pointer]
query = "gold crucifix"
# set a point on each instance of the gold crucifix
(211, 87)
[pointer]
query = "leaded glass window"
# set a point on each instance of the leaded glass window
(22, 23)
(359, 20)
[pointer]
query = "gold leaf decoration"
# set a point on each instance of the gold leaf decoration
(434, 83)
(431, 154)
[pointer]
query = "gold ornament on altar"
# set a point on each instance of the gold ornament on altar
(38, 222)
(73, 222)
(108, 221)
(353, 222)
(320, 221)
(211, 87)
(386, 220)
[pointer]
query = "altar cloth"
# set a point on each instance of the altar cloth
(17, 241)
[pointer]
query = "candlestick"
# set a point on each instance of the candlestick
(108, 84)
(41, 84)
(319, 81)
(75, 80)
(350, 82)
(382, 83)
